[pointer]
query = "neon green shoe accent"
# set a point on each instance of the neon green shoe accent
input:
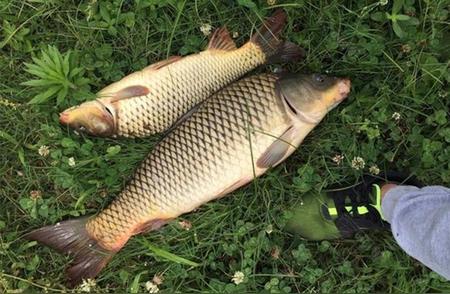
(361, 209)
(377, 204)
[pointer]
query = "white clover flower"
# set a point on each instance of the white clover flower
(35, 194)
(235, 35)
(151, 287)
(338, 158)
(374, 170)
(358, 163)
(405, 48)
(396, 116)
(238, 277)
(87, 285)
(44, 151)
(206, 29)
(158, 279)
(185, 224)
(71, 161)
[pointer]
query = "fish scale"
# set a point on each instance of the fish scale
(209, 147)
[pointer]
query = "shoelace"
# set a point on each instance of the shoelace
(360, 202)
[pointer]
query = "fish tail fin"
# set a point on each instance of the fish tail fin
(71, 237)
(267, 37)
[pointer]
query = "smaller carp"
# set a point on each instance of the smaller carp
(153, 99)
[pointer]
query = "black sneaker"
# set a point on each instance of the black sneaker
(343, 212)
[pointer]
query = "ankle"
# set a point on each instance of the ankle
(385, 188)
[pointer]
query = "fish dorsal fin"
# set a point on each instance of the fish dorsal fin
(221, 40)
(277, 150)
(162, 63)
(129, 92)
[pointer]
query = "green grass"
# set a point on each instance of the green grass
(396, 63)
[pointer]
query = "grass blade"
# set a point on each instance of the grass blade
(167, 255)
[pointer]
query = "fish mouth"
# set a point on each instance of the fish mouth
(64, 118)
(344, 86)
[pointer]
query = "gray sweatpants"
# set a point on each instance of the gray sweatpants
(420, 222)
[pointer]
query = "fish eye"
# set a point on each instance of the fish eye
(319, 79)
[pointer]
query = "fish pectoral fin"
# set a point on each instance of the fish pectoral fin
(277, 150)
(221, 40)
(150, 226)
(129, 92)
(163, 63)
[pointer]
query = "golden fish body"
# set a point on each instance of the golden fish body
(177, 87)
(212, 152)
(233, 137)
(153, 99)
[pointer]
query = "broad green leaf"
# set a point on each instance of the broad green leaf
(113, 150)
(39, 83)
(26, 203)
(413, 21)
(68, 143)
(378, 16)
(104, 12)
(112, 30)
(75, 72)
(82, 81)
(247, 3)
(36, 70)
(38, 99)
(57, 59)
(402, 17)
(397, 30)
(440, 117)
(48, 60)
(66, 63)
(129, 19)
(61, 95)
(47, 69)
(397, 6)
(44, 96)
(43, 210)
